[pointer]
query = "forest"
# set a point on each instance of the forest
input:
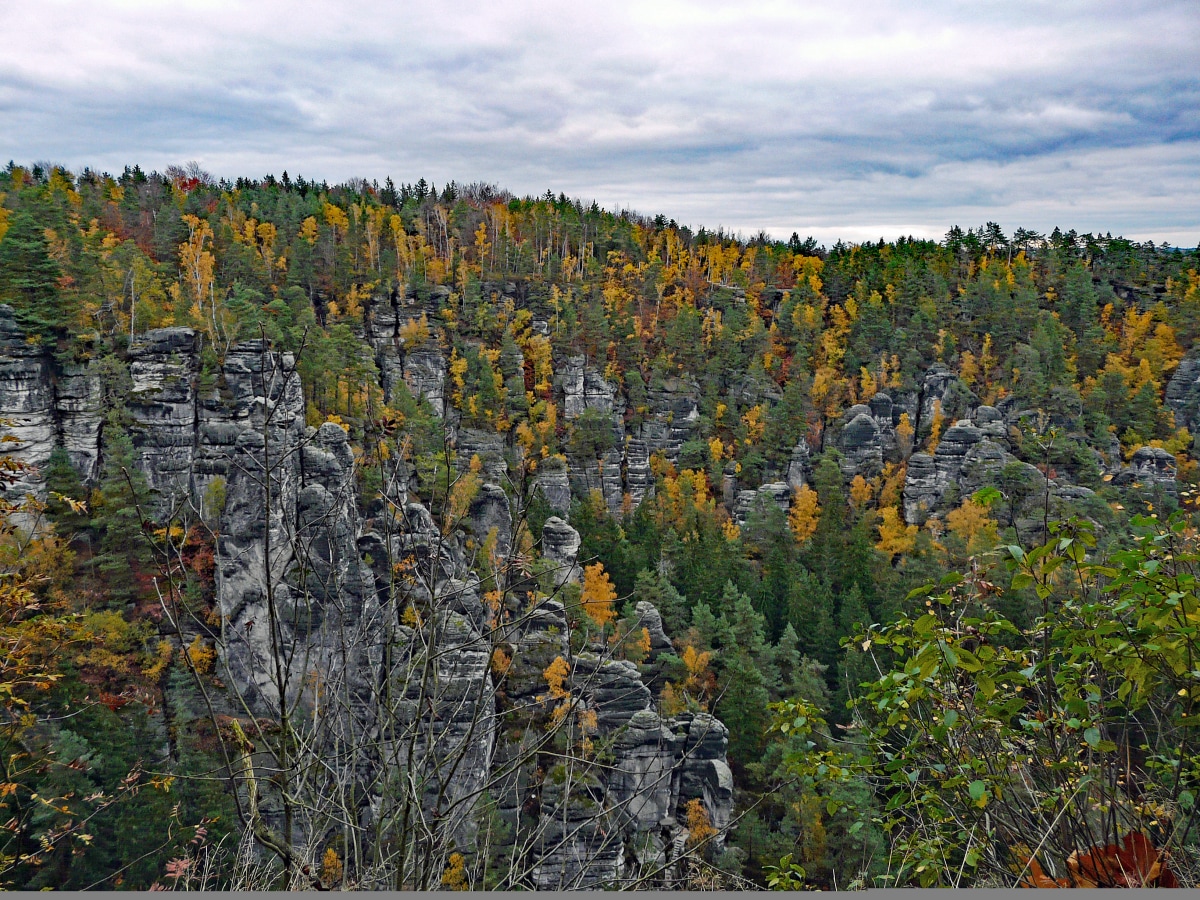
(368, 535)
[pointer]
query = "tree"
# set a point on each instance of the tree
(29, 279)
(745, 675)
(895, 537)
(804, 514)
(70, 778)
(598, 595)
(811, 613)
(653, 588)
(121, 501)
(1044, 743)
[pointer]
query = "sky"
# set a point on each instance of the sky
(849, 121)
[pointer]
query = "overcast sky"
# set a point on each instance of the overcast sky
(853, 120)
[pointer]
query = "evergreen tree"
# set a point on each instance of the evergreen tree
(787, 660)
(29, 278)
(746, 675)
(811, 612)
(122, 498)
(62, 479)
(671, 605)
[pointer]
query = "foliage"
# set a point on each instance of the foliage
(999, 744)
(731, 361)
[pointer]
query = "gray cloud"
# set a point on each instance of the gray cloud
(875, 119)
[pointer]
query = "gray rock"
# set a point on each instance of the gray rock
(640, 785)
(1183, 392)
(584, 388)
(933, 391)
(580, 844)
(778, 492)
(1150, 468)
(991, 424)
(27, 405)
(420, 368)
(79, 403)
(639, 480)
(861, 444)
(923, 488)
(928, 478)
(488, 446)
(555, 485)
(490, 518)
(163, 366)
(560, 548)
(799, 471)
(613, 688)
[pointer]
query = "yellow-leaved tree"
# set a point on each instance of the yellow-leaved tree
(972, 524)
(804, 513)
(894, 535)
(598, 595)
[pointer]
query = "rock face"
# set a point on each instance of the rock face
(80, 408)
(591, 819)
(933, 392)
(675, 403)
(584, 388)
(778, 492)
(799, 470)
(861, 444)
(929, 477)
(163, 406)
(560, 548)
(441, 732)
(991, 424)
(297, 566)
(26, 405)
(555, 485)
(1183, 393)
(403, 353)
(1150, 468)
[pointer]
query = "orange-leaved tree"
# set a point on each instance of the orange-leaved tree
(598, 595)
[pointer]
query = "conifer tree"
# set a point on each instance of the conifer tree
(118, 506)
(29, 278)
(671, 605)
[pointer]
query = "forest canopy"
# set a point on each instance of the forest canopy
(851, 479)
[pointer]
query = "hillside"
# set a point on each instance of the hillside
(417, 538)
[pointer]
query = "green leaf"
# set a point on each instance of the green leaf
(925, 624)
(968, 661)
(1092, 736)
(977, 789)
(987, 687)
(986, 496)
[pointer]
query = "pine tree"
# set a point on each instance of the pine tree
(29, 278)
(786, 657)
(810, 611)
(746, 675)
(121, 500)
(63, 481)
(671, 605)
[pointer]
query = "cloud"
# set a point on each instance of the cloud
(873, 119)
